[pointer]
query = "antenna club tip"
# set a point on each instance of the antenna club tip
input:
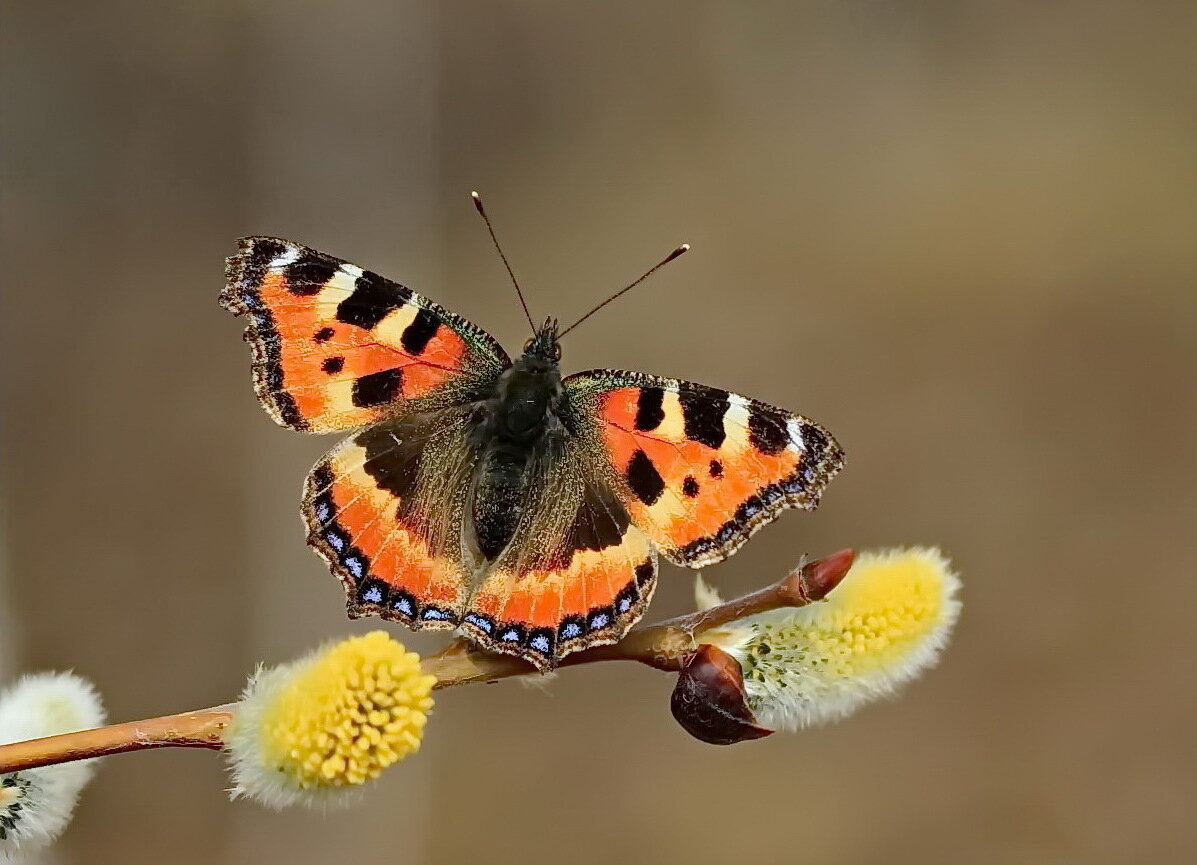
(477, 199)
(685, 247)
(474, 195)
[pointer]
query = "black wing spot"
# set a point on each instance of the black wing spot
(703, 409)
(373, 299)
(690, 487)
(749, 508)
(392, 466)
(308, 275)
(377, 388)
(600, 523)
(332, 365)
(715, 469)
(767, 430)
(644, 479)
(816, 443)
(649, 412)
(420, 332)
(258, 261)
(289, 411)
(324, 334)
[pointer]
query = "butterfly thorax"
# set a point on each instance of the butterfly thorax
(529, 402)
(527, 398)
(520, 427)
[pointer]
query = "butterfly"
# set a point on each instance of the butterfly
(497, 496)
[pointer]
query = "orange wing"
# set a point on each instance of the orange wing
(702, 469)
(337, 347)
(396, 551)
(587, 590)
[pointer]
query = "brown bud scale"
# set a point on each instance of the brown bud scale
(709, 700)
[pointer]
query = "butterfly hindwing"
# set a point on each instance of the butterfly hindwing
(390, 536)
(702, 469)
(337, 347)
(542, 602)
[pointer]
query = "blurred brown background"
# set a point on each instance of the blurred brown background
(958, 234)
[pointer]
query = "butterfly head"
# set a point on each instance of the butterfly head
(543, 347)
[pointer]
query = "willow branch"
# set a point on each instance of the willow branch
(667, 645)
(203, 728)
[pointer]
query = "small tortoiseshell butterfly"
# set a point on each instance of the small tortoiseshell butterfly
(496, 496)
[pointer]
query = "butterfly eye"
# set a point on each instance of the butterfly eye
(556, 352)
(528, 345)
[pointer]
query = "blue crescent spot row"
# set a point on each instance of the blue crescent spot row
(392, 603)
(337, 544)
(372, 595)
(545, 642)
(767, 499)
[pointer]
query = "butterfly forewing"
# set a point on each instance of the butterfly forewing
(337, 347)
(701, 469)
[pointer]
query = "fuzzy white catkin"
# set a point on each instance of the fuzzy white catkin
(36, 804)
(313, 731)
(884, 625)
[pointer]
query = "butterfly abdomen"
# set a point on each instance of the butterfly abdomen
(498, 497)
(516, 428)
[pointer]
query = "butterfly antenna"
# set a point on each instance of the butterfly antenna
(681, 250)
(482, 212)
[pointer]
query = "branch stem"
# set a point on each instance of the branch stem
(203, 728)
(667, 645)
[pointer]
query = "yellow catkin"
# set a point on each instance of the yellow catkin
(348, 713)
(873, 617)
(881, 626)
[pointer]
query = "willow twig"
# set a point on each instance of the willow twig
(667, 645)
(203, 728)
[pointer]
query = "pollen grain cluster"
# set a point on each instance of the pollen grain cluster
(347, 713)
(882, 607)
(881, 626)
